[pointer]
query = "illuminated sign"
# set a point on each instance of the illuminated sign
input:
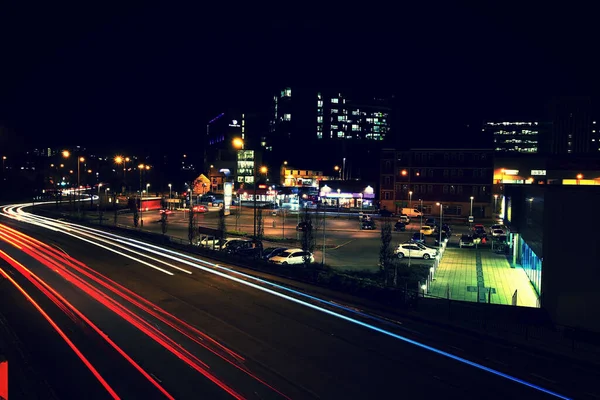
(538, 172)
(262, 186)
(511, 172)
(227, 195)
(234, 123)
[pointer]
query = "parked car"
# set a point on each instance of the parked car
(421, 245)
(430, 222)
(412, 250)
(446, 228)
(404, 218)
(303, 226)
(444, 236)
(478, 226)
(199, 208)
(418, 237)
(237, 245)
(367, 225)
(212, 242)
(385, 213)
(269, 252)
(292, 257)
(494, 227)
(498, 232)
(399, 226)
(466, 241)
(427, 230)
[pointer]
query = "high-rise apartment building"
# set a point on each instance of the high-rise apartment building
(516, 136)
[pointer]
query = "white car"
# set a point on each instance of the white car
(413, 251)
(427, 230)
(494, 227)
(292, 256)
(498, 232)
(213, 242)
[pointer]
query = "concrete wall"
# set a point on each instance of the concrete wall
(571, 255)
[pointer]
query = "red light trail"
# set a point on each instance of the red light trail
(69, 268)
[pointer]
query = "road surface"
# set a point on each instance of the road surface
(194, 329)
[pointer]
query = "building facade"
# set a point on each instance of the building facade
(460, 179)
(574, 126)
(312, 121)
(516, 136)
(565, 280)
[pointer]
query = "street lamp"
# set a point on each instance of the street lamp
(421, 210)
(238, 143)
(471, 214)
(147, 188)
(495, 203)
(339, 171)
(3, 161)
(579, 178)
(410, 199)
(170, 190)
(441, 221)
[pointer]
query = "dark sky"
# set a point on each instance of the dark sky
(115, 74)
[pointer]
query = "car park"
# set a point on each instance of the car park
(412, 250)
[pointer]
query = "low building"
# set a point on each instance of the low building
(347, 194)
(563, 272)
(461, 179)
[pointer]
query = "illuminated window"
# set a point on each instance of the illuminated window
(334, 111)
(320, 119)
(355, 127)
(287, 117)
(320, 103)
(334, 101)
(341, 118)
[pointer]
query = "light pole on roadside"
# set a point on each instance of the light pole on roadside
(410, 199)
(441, 222)
(471, 213)
(495, 204)
(421, 229)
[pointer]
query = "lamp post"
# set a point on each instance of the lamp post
(339, 171)
(471, 213)
(410, 198)
(495, 204)
(3, 162)
(579, 178)
(441, 222)
(147, 189)
(421, 229)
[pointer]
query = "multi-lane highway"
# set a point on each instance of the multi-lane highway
(106, 316)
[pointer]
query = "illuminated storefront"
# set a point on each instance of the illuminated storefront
(347, 194)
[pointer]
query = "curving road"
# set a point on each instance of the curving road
(128, 319)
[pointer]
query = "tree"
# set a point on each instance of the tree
(307, 239)
(385, 251)
(163, 222)
(191, 231)
(260, 229)
(222, 227)
(132, 203)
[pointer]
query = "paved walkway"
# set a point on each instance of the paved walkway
(470, 274)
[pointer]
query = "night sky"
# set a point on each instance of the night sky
(116, 75)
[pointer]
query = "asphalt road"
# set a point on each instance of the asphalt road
(297, 347)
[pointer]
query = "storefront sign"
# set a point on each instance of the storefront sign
(227, 195)
(538, 172)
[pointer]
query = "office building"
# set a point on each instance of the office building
(308, 119)
(515, 136)
(460, 179)
(565, 280)
(574, 126)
